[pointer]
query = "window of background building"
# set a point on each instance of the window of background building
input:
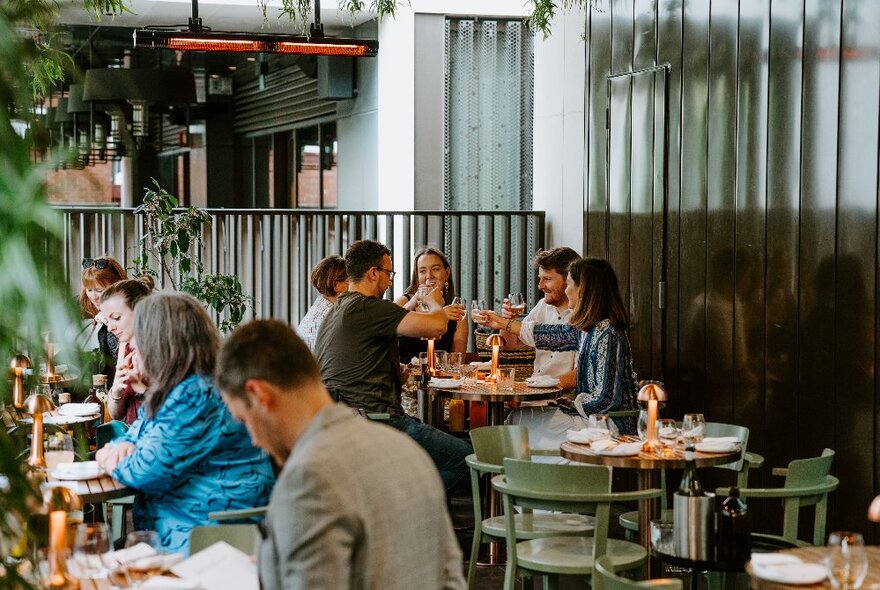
(314, 150)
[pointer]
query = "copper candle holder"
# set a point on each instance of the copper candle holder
(36, 405)
(19, 366)
(652, 392)
(496, 341)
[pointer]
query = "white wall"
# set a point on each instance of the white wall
(559, 129)
(357, 130)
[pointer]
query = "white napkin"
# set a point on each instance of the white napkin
(445, 383)
(602, 444)
(585, 436)
(542, 381)
(220, 567)
(718, 444)
(81, 470)
(785, 568)
(482, 366)
(169, 583)
(623, 450)
(79, 409)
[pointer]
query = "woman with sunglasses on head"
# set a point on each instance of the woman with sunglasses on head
(97, 275)
(117, 305)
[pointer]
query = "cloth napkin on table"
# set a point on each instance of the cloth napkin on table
(586, 436)
(79, 409)
(718, 444)
(623, 449)
(482, 366)
(785, 568)
(542, 381)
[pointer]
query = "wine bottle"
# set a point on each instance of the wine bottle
(690, 484)
(734, 529)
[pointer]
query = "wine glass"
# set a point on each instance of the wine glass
(144, 556)
(457, 301)
(477, 307)
(599, 428)
(517, 303)
(423, 292)
(693, 428)
(846, 562)
(642, 426)
(91, 543)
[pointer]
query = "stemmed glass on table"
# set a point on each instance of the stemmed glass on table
(140, 567)
(693, 428)
(90, 547)
(846, 562)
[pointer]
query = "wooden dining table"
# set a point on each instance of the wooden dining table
(647, 466)
(817, 555)
(95, 490)
(495, 398)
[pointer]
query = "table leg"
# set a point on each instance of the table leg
(496, 555)
(648, 510)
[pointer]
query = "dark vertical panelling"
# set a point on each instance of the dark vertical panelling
(669, 44)
(643, 160)
(620, 169)
(600, 66)
(692, 263)
(815, 421)
(856, 259)
(751, 199)
(783, 192)
(720, 206)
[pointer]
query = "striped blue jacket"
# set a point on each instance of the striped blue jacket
(190, 459)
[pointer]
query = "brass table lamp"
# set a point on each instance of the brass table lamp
(36, 405)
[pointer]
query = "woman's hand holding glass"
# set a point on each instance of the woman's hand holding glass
(454, 312)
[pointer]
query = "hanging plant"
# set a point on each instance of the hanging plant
(544, 11)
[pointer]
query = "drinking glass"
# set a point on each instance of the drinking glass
(693, 428)
(143, 564)
(457, 301)
(506, 378)
(440, 366)
(598, 425)
(517, 303)
(668, 432)
(468, 375)
(642, 426)
(453, 364)
(423, 292)
(424, 373)
(846, 562)
(477, 307)
(59, 449)
(91, 543)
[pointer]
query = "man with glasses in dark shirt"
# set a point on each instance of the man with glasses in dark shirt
(357, 351)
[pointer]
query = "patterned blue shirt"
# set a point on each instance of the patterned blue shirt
(604, 366)
(190, 459)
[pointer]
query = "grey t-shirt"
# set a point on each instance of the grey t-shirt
(357, 352)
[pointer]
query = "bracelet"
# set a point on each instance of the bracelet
(117, 399)
(507, 327)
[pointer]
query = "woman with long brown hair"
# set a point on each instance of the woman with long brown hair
(597, 330)
(97, 275)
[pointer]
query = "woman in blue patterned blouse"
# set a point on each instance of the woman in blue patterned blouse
(185, 454)
(597, 331)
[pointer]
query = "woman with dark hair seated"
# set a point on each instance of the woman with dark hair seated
(185, 454)
(597, 330)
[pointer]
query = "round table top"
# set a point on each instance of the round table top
(816, 555)
(59, 420)
(489, 392)
(667, 458)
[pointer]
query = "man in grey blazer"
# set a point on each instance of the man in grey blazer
(357, 504)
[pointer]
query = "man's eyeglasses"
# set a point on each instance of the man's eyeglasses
(99, 263)
(389, 272)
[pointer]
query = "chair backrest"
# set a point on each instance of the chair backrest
(244, 537)
(109, 431)
(740, 432)
(804, 473)
(493, 444)
(604, 578)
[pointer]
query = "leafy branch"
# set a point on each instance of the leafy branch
(174, 241)
(544, 11)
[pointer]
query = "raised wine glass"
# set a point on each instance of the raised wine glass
(517, 303)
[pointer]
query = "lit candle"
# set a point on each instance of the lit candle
(431, 356)
(57, 549)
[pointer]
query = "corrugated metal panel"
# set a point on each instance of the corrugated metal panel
(288, 97)
(773, 286)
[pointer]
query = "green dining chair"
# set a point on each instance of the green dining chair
(492, 444)
(244, 537)
(630, 520)
(604, 578)
(807, 483)
(574, 489)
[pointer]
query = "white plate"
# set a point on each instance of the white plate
(89, 409)
(77, 471)
(446, 383)
(791, 573)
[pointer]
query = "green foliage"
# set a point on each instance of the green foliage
(298, 11)
(174, 241)
(99, 8)
(544, 11)
(382, 8)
